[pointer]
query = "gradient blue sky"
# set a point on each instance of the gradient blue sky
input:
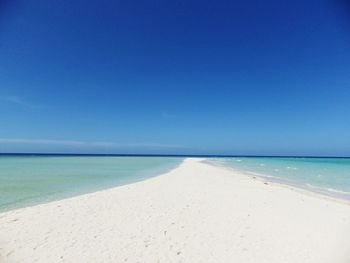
(203, 77)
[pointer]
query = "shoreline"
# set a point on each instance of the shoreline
(280, 182)
(54, 197)
(194, 213)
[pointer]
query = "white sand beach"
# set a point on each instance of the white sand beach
(195, 213)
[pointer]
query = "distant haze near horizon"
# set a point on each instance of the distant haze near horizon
(175, 77)
(64, 154)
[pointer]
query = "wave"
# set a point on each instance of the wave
(262, 175)
(328, 189)
(316, 177)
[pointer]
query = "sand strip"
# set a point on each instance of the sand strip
(194, 213)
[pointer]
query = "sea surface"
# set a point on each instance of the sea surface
(30, 180)
(324, 175)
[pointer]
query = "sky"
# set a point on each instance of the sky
(175, 77)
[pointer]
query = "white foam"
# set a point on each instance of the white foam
(328, 189)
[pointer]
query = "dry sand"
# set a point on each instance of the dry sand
(195, 213)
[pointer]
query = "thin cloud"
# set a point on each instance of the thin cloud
(133, 145)
(40, 141)
(16, 100)
(85, 143)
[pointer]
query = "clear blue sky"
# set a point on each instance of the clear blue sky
(204, 77)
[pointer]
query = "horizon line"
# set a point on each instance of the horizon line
(170, 155)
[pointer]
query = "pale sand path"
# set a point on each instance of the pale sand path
(195, 213)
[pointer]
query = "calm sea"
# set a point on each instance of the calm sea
(29, 180)
(324, 175)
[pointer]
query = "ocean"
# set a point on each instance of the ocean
(324, 175)
(29, 180)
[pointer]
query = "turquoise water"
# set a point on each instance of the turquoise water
(26, 180)
(326, 175)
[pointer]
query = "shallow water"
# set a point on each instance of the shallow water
(326, 175)
(29, 180)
